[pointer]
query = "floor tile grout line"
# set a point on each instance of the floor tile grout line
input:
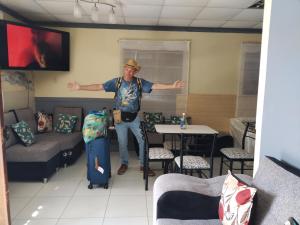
(31, 199)
(71, 197)
(104, 216)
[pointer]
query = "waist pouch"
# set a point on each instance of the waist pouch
(128, 116)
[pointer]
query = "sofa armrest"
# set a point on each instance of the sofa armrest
(173, 182)
(180, 182)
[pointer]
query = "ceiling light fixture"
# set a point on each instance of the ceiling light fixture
(78, 10)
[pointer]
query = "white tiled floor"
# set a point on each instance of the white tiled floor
(66, 200)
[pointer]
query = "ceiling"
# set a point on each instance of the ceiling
(185, 13)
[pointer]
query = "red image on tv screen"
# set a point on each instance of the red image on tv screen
(33, 48)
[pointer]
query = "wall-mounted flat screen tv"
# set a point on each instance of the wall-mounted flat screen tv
(24, 47)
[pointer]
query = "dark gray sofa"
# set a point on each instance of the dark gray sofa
(277, 198)
(50, 151)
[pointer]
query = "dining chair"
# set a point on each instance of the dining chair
(154, 154)
(192, 161)
(173, 143)
(231, 155)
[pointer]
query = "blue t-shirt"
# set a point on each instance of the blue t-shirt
(127, 99)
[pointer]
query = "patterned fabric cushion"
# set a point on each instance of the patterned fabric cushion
(160, 153)
(170, 146)
(44, 122)
(192, 162)
(65, 123)
(236, 202)
(24, 132)
(175, 119)
(152, 118)
(237, 153)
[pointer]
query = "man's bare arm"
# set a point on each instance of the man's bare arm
(176, 85)
(74, 86)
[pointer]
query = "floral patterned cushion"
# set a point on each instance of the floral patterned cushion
(237, 153)
(160, 153)
(192, 162)
(152, 118)
(175, 119)
(65, 123)
(236, 202)
(24, 132)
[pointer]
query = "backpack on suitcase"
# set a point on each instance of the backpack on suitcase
(98, 162)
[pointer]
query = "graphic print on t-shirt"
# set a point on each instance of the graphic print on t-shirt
(128, 94)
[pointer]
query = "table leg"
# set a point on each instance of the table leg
(181, 153)
(212, 157)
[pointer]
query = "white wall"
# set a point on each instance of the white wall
(278, 109)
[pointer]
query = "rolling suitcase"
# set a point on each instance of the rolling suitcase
(98, 162)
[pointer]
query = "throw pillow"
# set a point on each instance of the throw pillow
(175, 120)
(44, 122)
(236, 202)
(24, 132)
(152, 118)
(65, 123)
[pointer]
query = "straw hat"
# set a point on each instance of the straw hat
(132, 63)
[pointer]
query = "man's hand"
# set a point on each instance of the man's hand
(178, 84)
(74, 86)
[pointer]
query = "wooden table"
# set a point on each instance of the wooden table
(190, 130)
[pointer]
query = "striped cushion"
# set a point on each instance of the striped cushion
(160, 153)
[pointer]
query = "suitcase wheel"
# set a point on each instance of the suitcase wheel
(90, 186)
(105, 186)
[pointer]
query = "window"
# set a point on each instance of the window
(250, 59)
(248, 80)
(161, 62)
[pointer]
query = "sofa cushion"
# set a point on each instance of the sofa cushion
(65, 141)
(24, 132)
(65, 123)
(27, 115)
(75, 111)
(278, 193)
(10, 137)
(187, 205)
(41, 151)
(236, 201)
